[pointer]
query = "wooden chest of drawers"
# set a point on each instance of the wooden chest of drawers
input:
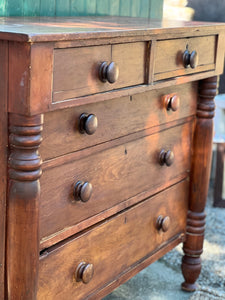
(106, 135)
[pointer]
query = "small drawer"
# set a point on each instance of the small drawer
(184, 56)
(112, 119)
(133, 235)
(113, 176)
(77, 72)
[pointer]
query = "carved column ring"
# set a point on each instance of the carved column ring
(23, 165)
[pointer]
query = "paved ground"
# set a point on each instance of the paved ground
(161, 280)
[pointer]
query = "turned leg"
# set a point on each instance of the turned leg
(200, 172)
(22, 255)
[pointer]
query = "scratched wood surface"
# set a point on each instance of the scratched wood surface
(132, 8)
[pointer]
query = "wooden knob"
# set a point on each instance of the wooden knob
(190, 59)
(166, 157)
(84, 272)
(88, 123)
(163, 223)
(193, 59)
(173, 103)
(109, 72)
(82, 191)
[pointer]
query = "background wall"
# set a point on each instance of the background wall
(210, 10)
(135, 8)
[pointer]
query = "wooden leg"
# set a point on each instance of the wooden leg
(22, 256)
(200, 172)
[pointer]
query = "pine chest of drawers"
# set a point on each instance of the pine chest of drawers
(106, 132)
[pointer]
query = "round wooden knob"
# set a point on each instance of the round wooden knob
(190, 59)
(173, 103)
(88, 123)
(166, 157)
(109, 72)
(193, 59)
(163, 223)
(82, 191)
(84, 272)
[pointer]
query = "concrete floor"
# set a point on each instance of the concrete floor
(162, 279)
(156, 282)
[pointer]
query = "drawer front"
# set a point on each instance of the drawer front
(114, 246)
(116, 118)
(169, 56)
(76, 70)
(116, 174)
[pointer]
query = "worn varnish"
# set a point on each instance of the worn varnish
(171, 62)
(61, 133)
(136, 227)
(80, 69)
(109, 124)
(113, 174)
(3, 159)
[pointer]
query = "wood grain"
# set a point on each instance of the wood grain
(113, 175)
(134, 227)
(169, 56)
(19, 77)
(3, 159)
(61, 129)
(22, 243)
(76, 70)
(30, 77)
(200, 173)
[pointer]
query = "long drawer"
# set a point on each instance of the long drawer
(116, 118)
(111, 248)
(115, 174)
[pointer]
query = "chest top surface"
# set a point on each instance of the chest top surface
(34, 29)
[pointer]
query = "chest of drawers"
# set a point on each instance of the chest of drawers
(106, 135)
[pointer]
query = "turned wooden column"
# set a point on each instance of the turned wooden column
(22, 255)
(200, 173)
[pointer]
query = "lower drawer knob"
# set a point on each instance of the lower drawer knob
(88, 123)
(166, 157)
(163, 223)
(84, 272)
(82, 191)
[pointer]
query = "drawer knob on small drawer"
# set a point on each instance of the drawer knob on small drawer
(109, 72)
(190, 59)
(82, 191)
(88, 123)
(173, 103)
(166, 157)
(163, 223)
(84, 272)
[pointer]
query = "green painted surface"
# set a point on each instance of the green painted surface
(156, 9)
(125, 7)
(47, 8)
(114, 8)
(77, 8)
(62, 7)
(145, 9)
(134, 8)
(90, 8)
(3, 7)
(31, 8)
